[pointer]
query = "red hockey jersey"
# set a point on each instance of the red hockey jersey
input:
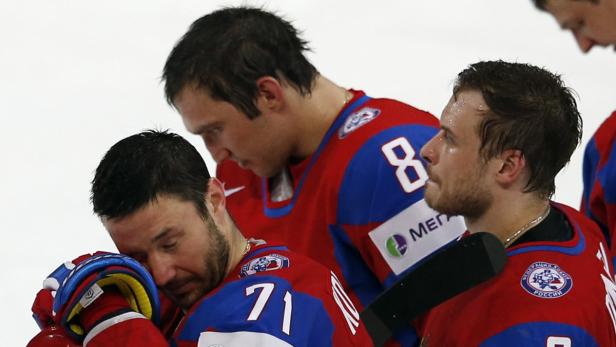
(550, 294)
(357, 204)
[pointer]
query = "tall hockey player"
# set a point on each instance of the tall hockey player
(155, 197)
(593, 23)
(506, 132)
(331, 172)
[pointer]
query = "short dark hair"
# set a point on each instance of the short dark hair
(226, 51)
(540, 4)
(531, 110)
(139, 168)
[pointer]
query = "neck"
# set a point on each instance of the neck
(316, 113)
(509, 218)
(238, 246)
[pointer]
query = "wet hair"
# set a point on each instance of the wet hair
(531, 110)
(141, 167)
(226, 51)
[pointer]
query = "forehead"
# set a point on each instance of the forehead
(463, 112)
(144, 225)
(198, 109)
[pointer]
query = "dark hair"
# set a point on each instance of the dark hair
(540, 4)
(139, 168)
(531, 110)
(226, 51)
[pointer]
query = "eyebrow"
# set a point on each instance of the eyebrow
(204, 127)
(447, 130)
(162, 234)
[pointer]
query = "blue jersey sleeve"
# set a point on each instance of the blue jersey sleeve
(381, 197)
(259, 311)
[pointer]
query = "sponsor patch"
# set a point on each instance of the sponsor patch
(265, 263)
(397, 245)
(414, 233)
(357, 119)
(546, 280)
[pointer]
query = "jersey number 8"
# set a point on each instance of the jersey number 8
(407, 160)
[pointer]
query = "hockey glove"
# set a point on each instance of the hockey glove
(97, 280)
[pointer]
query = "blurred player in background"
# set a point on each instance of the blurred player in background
(506, 132)
(593, 23)
(330, 172)
(155, 197)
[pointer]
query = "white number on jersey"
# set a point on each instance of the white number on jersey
(262, 300)
(609, 283)
(558, 341)
(407, 161)
(346, 306)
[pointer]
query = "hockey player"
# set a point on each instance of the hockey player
(330, 172)
(155, 197)
(506, 132)
(593, 23)
(599, 198)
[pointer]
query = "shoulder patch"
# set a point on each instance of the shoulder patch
(546, 280)
(357, 119)
(267, 262)
(413, 234)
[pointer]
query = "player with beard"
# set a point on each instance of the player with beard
(155, 197)
(506, 132)
(593, 23)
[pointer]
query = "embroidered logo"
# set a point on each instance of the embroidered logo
(265, 263)
(357, 119)
(545, 280)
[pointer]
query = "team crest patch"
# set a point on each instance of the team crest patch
(545, 280)
(265, 263)
(357, 119)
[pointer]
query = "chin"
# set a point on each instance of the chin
(430, 196)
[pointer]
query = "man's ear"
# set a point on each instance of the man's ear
(215, 197)
(270, 95)
(512, 167)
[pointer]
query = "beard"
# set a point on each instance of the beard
(466, 197)
(185, 291)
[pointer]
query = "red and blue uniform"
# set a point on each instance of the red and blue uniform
(551, 293)
(273, 298)
(357, 205)
(599, 198)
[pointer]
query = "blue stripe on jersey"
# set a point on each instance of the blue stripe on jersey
(282, 211)
(575, 250)
(591, 159)
(372, 193)
(356, 273)
(228, 309)
(263, 250)
(590, 164)
(541, 334)
(606, 175)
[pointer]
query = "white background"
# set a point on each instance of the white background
(77, 76)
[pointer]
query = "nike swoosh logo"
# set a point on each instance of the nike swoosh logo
(229, 192)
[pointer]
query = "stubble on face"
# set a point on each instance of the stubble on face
(466, 196)
(185, 291)
(462, 192)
